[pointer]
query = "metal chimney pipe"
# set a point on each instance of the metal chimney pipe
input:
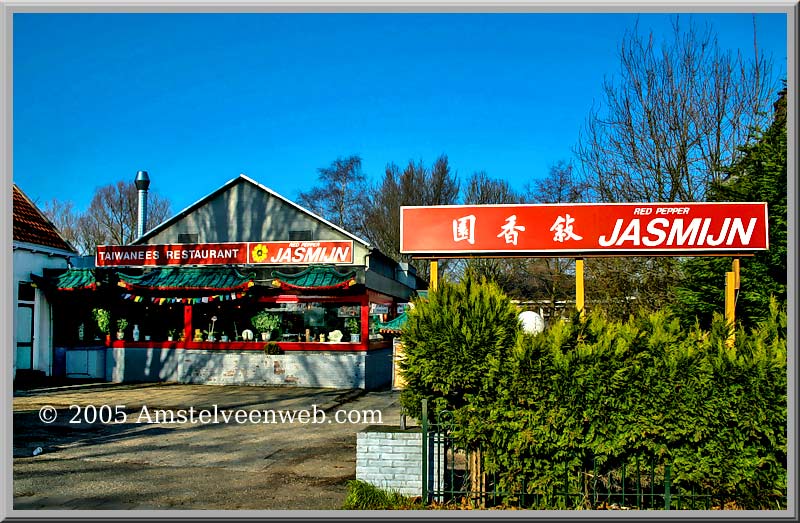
(142, 184)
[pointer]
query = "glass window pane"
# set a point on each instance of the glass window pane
(24, 324)
(26, 292)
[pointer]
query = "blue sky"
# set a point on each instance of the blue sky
(196, 99)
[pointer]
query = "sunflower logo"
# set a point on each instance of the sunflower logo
(259, 253)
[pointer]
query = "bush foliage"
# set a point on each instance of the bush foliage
(618, 392)
(454, 342)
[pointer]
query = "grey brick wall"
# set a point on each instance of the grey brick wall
(390, 460)
(344, 370)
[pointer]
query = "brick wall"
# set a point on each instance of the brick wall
(334, 369)
(390, 459)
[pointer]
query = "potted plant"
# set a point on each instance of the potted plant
(223, 336)
(122, 323)
(171, 334)
(103, 319)
(265, 322)
(352, 327)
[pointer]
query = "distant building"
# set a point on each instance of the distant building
(37, 245)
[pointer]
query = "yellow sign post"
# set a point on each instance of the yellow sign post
(579, 302)
(434, 274)
(731, 286)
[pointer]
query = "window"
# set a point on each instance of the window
(311, 321)
(25, 292)
(300, 236)
(186, 237)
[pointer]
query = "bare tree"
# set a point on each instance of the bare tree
(341, 196)
(67, 220)
(414, 185)
(674, 118)
(672, 121)
(110, 219)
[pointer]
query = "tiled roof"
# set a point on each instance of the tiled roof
(189, 279)
(31, 225)
(70, 280)
(394, 326)
(318, 278)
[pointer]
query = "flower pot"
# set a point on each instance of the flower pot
(120, 335)
(169, 338)
(223, 338)
(355, 338)
(265, 336)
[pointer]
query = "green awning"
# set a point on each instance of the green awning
(188, 279)
(69, 280)
(394, 326)
(316, 278)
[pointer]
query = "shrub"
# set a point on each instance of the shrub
(642, 390)
(454, 342)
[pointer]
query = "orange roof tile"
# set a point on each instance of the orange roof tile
(31, 225)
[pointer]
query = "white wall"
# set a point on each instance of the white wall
(27, 262)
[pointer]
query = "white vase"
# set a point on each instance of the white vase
(135, 333)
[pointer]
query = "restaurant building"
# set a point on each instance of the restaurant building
(242, 287)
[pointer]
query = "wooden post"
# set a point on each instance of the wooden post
(731, 288)
(730, 307)
(434, 274)
(579, 301)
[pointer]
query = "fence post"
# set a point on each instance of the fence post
(425, 451)
(667, 500)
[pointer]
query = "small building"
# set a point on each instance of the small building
(37, 246)
(242, 287)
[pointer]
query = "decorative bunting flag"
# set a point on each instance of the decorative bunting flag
(205, 299)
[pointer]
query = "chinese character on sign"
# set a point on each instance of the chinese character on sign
(464, 229)
(563, 229)
(509, 230)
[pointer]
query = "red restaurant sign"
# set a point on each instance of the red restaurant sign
(250, 253)
(631, 228)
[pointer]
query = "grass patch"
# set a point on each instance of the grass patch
(365, 496)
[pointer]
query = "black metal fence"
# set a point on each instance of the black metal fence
(453, 475)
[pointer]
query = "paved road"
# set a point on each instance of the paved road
(184, 465)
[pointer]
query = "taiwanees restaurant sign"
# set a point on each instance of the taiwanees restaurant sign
(249, 253)
(635, 229)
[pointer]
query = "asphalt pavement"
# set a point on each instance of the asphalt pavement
(172, 446)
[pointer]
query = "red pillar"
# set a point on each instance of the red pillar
(365, 320)
(187, 322)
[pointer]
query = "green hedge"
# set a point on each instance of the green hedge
(615, 392)
(646, 389)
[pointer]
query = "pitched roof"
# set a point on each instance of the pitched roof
(69, 280)
(317, 277)
(230, 183)
(188, 279)
(32, 226)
